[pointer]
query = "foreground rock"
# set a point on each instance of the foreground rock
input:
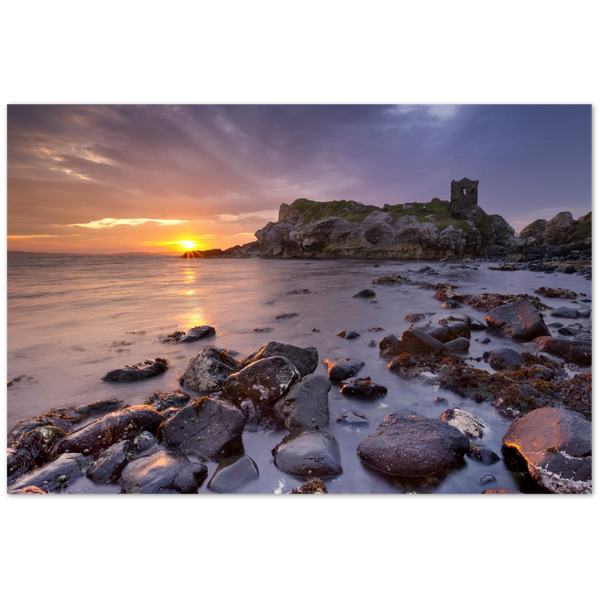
(163, 472)
(362, 388)
(572, 351)
(305, 360)
(233, 473)
(263, 381)
(414, 342)
(339, 369)
(162, 401)
(193, 335)
(208, 370)
(107, 468)
(466, 422)
(408, 445)
(57, 476)
(143, 370)
(306, 405)
(208, 428)
(309, 453)
(124, 424)
(520, 320)
(556, 445)
(312, 486)
(37, 444)
(504, 359)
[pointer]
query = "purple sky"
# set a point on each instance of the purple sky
(124, 178)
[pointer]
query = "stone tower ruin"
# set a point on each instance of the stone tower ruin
(463, 195)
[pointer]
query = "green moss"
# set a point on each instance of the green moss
(352, 211)
(578, 232)
(423, 211)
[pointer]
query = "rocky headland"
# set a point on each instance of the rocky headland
(432, 230)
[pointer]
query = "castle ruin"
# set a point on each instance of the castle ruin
(463, 195)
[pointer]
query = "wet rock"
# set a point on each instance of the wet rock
(208, 428)
(485, 340)
(38, 443)
(66, 418)
(520, 320)
(466, 422)
(312, 486)
(367, 293)
(306, 404)
(349, 335)
(56, 476)
(351, 417)
(339, 369)
(161, 401)
(414, 342)
(32, 489)
(409, 445)
(450, 304)
(568, 269)
(440, 400)
(144, 441)
(564, 312)
(308, 453)
(572, 351)
(556, 445)
(362, 388)
(298, 291)
(143, 370)
(250, 412)
(110, 429)
(390, 280)
(483, 455)
(262, 330)
(486, 478)
(17, 463)
(458, 346)
(305, 360)
(163, 472)
(477, 325)
(198, 333)
(108, 466)
(500, 491)
(414, 317)
(504, 359)
(233, 473)
(556, 293)
(263, 381)
(285, 316)
(208, 370)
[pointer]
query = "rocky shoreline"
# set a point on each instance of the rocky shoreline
(164, 446)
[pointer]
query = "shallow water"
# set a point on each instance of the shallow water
(73, 319)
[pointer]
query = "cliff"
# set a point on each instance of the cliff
(348, 229)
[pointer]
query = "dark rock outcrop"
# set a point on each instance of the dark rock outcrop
(143, 370)
(306, 404)
(162, 401)
(573, 351)
(38, 443)
(504, 359)
(308, 453)
(304, 359)
(208, 428)
(208, 370)
(363, 388)
(339, 369)
(466, 422)
(556, 445)
(233, 473)
(163, 472)
(108, 466)
(520, 320)
(408, 445)
(123, 424)
(414, 342)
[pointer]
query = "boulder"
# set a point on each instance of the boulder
(263, 381)
(466, 422)
(233, 473)
(143, 370)
(565, 312)
(578, 351)
(198, 333)
(409, 445)
(367, 293)
(505, 359)
(458, 346)
(108, 466)
(308, 453)
(163, 472)
(414, 342)
(556, 445)
(110, 429)
(305, 360)
(17, 463)
(38, 443)
(339, 369)
(520, 320)
(208, 370)
(56, 476)
(363, 388)
(208, 428)
(306, 404)
(162, 401)
(66, 418)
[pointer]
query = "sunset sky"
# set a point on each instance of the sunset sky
(127, 178)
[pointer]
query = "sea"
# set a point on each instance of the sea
(71, 319)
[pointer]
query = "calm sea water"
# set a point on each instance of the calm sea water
(73, 319)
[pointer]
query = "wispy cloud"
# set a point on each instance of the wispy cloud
(267, 215)
(108, 223)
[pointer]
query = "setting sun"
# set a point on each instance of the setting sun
(188, 244)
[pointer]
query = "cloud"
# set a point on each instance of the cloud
(108, 223)
(266, 215)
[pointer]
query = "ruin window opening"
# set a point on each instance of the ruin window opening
(464, 191)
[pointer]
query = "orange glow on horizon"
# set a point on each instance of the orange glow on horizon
(188, 244)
